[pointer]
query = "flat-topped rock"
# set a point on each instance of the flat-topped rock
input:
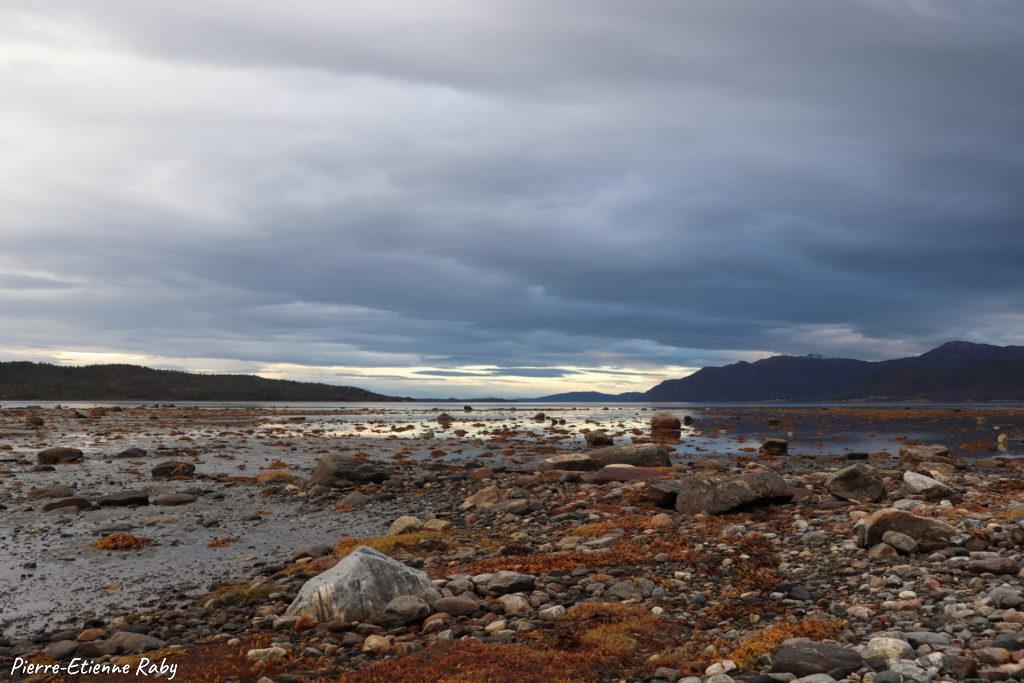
(716, 496)
(572, 462)
(640, 455)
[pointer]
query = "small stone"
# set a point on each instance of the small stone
(375, 644)
(267, 654)
(404, 525)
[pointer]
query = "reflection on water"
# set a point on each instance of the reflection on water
(449, 431)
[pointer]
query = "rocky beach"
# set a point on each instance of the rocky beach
(410, 543)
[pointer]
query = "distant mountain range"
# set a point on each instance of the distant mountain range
(955, 371)
(590, 397)
(22, 381)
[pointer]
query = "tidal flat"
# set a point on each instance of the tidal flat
(188, 530)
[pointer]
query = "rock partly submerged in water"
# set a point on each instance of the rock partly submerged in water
(665, 422)
(360, 587)
(597, 438)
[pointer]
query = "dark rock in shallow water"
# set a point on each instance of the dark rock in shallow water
(597, 439)
(715, 496)
(774, 446)
(131, 453)
(807, 657)
(665, 422)
(340, 469)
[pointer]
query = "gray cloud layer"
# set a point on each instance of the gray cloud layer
(520, 184)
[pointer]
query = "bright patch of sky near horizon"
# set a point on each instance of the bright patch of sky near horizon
(508, 198)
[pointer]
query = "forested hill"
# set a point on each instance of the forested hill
(24, 381)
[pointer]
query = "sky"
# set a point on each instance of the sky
(507, 197)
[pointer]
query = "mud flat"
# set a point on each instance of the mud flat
(889, 538)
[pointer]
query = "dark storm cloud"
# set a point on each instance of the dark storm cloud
(522, 185)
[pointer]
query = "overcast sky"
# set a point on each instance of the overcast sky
(507, 197)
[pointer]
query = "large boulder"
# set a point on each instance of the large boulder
(360, 587)
(930, 534)
(701, 493)
(597, 439)
(59, 455)
(336, 470)
(774, 446)
(860, 483)
(665, 422)
(640, 455)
